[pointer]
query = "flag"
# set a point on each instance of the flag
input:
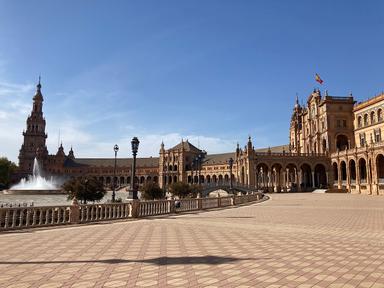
(318, 79)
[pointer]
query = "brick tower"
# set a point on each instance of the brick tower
(34, 137)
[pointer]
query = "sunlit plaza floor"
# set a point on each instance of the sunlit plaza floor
(291, 240)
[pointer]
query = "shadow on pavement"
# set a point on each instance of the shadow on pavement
(211, 260)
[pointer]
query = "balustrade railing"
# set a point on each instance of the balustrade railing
(210, 203)
(185, 205)
(29, 217)
(99, 212)
(152, 208)
(23, 217)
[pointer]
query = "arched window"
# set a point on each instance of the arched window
(372, 118)
(352, 170)
(379, 115)
(343, 167)
(366, 119)
(380, 168)
(335, 171)
(359, 123)
(342, 142)
(324, 145)
(363, 170)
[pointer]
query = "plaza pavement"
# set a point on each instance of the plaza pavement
(291, 240)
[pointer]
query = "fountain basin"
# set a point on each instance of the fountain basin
(33, 192)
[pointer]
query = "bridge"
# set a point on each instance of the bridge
(236, 188)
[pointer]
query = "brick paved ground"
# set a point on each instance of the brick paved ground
(292, 240)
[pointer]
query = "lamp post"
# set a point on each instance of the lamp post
(116, 149)
(135, 147)
(197, 169)
(230, 161)
(86, 191)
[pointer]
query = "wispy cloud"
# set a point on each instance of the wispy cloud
(13, 112)
(89, 146)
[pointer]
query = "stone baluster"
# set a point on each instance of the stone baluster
(21, 217)
(53, 213)
(28, 218)
(34, 217)
(2, 219)
(46, 216)
(6, 219)
(13, 218)
(41, 216)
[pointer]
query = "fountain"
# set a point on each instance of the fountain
(35, 184)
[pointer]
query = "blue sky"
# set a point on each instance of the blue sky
(210, 71)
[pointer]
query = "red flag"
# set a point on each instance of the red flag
(318, 79)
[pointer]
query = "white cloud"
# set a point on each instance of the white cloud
(13, 113)
(150, 145)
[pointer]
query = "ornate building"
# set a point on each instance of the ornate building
(360, 168)
(333, 143)
(34, 137)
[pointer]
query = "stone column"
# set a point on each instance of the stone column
(339, 177)
(358, 179)
(348, 178)
(313, 179)
(135, 207)
(274, 180)
(269, 180)
(283, 182)
(300, 180)
(287, 178)
(257, 180)
(74, 212)
(369, 182)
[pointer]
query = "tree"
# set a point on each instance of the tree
(7, 168)
(84, 189)
(180, 189)
(151, 191)
(195, 190)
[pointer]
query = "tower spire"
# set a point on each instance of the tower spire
(39, 84)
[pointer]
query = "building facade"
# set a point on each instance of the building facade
(333, 143)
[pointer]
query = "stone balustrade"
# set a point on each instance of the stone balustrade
(100, 212)
(152, 208)
(25, 217)
(29, 217)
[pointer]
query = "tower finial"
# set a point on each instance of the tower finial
(39, 84)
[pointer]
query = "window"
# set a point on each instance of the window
(377, 135)
(379, 115)
(366, 119)
(359, 122)
(344, 123)
(372, 117)
(338, 124)
(322, 125)
(362, 139)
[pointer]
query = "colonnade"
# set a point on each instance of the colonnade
(290, 178)
(360, 174)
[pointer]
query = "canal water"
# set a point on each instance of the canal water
(50, 200)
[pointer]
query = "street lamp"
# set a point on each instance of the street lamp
(116, 149)
(230, 161)
(135, 147)
(198, 161)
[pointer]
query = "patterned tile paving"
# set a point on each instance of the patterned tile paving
(292, 240)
